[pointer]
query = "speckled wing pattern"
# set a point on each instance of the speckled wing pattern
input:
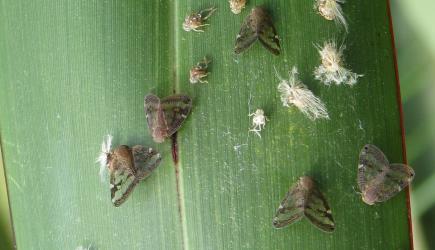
(257, 25)
(155, 118)
(176, 108)
(304, 199)
(379, 180)
(123, 179)
(145, 161)
(317, 210)
(291, 208)
(268, 36)
(122, 184)
(371, 162)
(246, 37)
(164, 117)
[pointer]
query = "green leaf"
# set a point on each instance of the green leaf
(5, 223)
(71, 72)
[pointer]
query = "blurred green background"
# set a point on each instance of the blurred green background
(415, 43)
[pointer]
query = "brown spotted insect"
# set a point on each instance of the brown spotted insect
(304, 199)
(199, 72)
(236, 6)
(195, 21)
(165, 116)
(257, 26)
(127, 166)
(379, 180)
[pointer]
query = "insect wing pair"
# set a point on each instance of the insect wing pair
(165, 116)
(127, 167)
(258, 26)
(379, 180)
(304, 199)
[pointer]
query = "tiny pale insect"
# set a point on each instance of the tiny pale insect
(294, 92)
(258, 121)
(258, 25)
(195, 21)
(165, 116)
(304, 199)
(331, 10)
(379, 180)
(127, 167)
(236, 6)
(199, 71)
(332, 69)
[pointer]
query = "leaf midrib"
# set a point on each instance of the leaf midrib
(175, 40)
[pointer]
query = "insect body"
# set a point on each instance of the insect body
(332, 69)
(165, 116)
(331, 10)
(199, 71)
(304, 199)
(379, 180)
(258, 121)
(127, 167)
(294, 92)
(236, 6)
(195, 21)
(257, 26)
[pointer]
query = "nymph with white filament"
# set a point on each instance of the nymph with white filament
(331, 10)
(294, 92)
(332, 70)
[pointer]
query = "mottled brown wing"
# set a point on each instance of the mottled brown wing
(175, 108)
(246, 37)
(291, 209)
(372, 163)
(318, 211)
(268, 36)
(155, 118)
(145, 161)
(123, 181)
(397, 177)
(122, 184)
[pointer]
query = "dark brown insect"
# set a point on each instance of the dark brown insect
(127, 167)
(258, 26)
(379, 180)
(304, 199)
(165, 116)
